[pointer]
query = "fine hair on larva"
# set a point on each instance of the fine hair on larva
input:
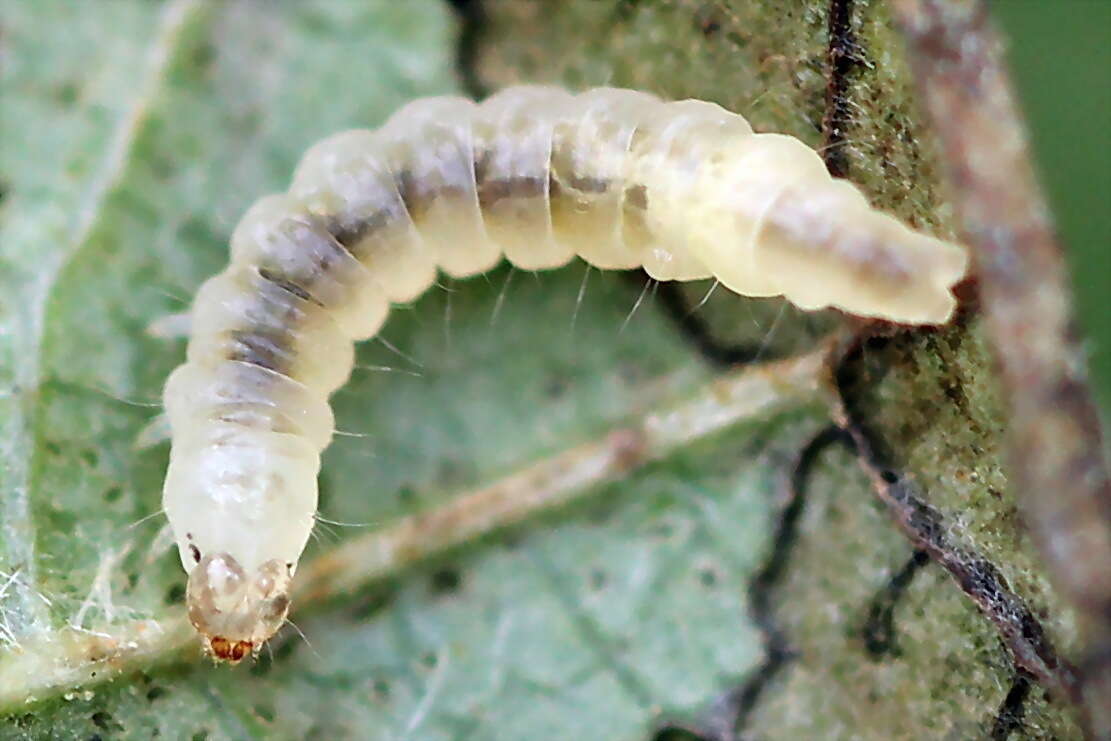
(684, 190)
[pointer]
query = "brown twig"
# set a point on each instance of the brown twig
(841, 60)
(981, 580)
(471, 17)
(978, 577)
(1055, 444)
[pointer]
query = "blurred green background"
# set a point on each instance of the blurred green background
(1061, 54)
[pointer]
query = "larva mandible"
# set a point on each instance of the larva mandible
(621, 179)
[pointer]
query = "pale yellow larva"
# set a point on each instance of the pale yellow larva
(619, 178)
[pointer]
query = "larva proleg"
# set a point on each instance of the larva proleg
(537, 175)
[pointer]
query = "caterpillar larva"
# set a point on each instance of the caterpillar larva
(619, 178)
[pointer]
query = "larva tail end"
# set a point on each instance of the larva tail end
(236, 613)
(864, 262)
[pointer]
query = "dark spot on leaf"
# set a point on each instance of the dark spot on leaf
(707, 577)
(602, 512)
(429, 660)
(199, 232)
(663, 530)
(155, 692)
(246, 122)
(203, 56)
(195, 552)
(138, 202)
(66, 93)
(625, 9)
(113, 494)
(175, 595)
(707, 21)
(266, 712)
(381, 689)
(315, 22)
(453, 473)
(631, 373)
(556, 387)
(63, 520)
(161, 165)
(676, 733)
(371, 602)
(445, 581)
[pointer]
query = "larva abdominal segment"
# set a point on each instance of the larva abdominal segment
(616, 177)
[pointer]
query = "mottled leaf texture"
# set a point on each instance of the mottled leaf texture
(558, 506)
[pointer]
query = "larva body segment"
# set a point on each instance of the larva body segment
(664, 160)
(430, 145)
(617, 177)
(513, 148)
(589, 164)
(277, 235)
(346, 183)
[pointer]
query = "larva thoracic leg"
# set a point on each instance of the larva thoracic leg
(619, 178)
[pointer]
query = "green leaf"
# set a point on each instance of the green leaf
(165, 122)
(565, 600)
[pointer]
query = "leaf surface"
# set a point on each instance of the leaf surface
(131, 148)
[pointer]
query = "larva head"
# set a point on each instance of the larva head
(234, 611)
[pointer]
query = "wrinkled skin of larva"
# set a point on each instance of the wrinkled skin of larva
(234, 611)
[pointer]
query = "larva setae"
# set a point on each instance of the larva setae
(685, 190)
